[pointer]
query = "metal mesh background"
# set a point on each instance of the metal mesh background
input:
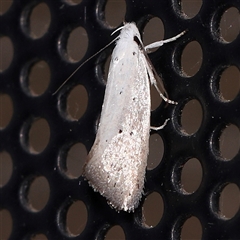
(63, 131)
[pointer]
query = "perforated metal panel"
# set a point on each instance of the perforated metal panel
(62, 131)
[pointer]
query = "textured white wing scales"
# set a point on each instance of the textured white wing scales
(117, 162)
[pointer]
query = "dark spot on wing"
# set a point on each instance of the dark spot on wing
(131, 133)
(120, 131)
(134, 53)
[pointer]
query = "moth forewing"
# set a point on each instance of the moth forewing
(117, 161)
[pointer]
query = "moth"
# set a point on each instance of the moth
(117, 161)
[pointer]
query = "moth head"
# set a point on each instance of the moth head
(130, 31)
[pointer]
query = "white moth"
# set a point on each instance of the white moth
(116, 164)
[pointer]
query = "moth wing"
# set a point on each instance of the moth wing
(117, 161)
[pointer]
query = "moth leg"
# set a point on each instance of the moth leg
(162, 96)
(153, 81)
(160, 127)
(160, 43)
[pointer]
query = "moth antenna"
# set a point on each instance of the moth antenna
(95, 54)
(118, 29)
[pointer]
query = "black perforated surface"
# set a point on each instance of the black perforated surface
(179, 147)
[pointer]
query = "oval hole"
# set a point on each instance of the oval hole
(6, 167)
(192, 229)
(38, 194)
(39, 135)
(40, 19)
(114, 12)
(229, 201)
(229, 24)
(153, 31)
(191, 176)
(6, 110)
(4, 6)
(156, 151)
(106, 69)
(229, 142)
(156, 100)
(191, 59)
(153, 208)
(39, 237)
(191, 117)
(190, 8)
(229, 84)
(76, 158)
(76, 218)
(77, 102)
(39, 78)
(77, 44)
(116, 233)
(6, 224)
(6, 58)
